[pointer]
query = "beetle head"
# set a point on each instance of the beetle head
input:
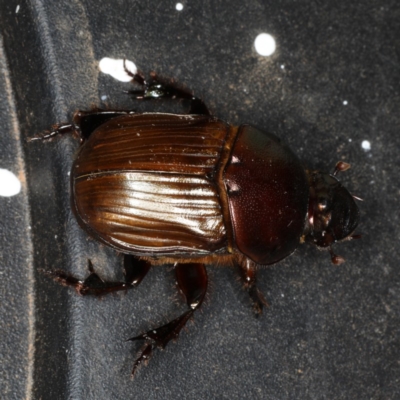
(332, 212)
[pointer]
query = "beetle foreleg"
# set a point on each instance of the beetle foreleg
(249, 278)
(192, 282)
(135, 271)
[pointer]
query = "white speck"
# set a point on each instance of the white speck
(282, 295)
(115, 68)
(104, 97)
(179, 6)
(235, 160)
(265, 44)
(17, 9)
(350, 140)
(366, 145)
(69, 173)
(282, 66)
(345, 102)
(55, 236)
(9, 183)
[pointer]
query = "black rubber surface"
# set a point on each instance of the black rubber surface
(333, 82)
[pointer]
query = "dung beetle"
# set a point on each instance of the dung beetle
(192, 190)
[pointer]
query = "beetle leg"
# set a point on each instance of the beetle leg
(57, 130)
(192, 282)
(157, 88)
(84, 123)
(135, 271)
(249, 278)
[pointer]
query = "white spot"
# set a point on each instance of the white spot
(104, 97)
(17, 9)
(115, 68)
(179, 6)
(9, 183)
(345, 102)
(350, 140)
(366, 145)
(234, 159)
(265, 44)
(282, 66)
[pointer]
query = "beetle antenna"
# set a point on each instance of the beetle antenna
(341, 166)
(337, 260)
(357, 236)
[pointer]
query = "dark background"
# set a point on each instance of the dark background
(330, 332)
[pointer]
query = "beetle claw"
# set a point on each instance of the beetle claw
(144, 356)
(159, 337)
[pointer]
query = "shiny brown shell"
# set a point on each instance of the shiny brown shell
(187, 186)
(145, 184)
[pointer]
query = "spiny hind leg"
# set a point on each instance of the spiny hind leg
(192, 281)
(135, 270)
(157, 88)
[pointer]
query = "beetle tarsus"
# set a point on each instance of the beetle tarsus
(57, 130)
(137, 77)
(162, 335)
(61, 277)
(159, 337)
(258, 300)
(248, 274)
(156, 89)
(144, 356)
(192, 282)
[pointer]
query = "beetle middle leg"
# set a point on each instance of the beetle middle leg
(248, 275)
(192, 281)
(157, 88)
(134, 268)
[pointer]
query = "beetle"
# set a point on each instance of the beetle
(192, 190)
